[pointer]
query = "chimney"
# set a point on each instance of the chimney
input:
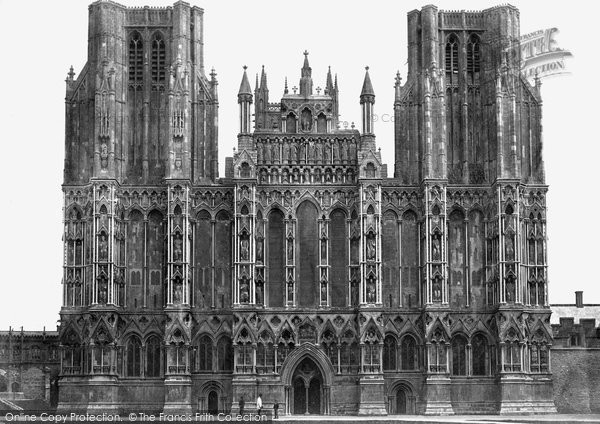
(579, 299)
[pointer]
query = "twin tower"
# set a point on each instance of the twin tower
(306, 274)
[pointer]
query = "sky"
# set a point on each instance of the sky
(41, 39)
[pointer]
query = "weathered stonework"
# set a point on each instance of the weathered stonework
(305, 275)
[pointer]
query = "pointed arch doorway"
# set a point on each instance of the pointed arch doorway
(307, 377)
(307, 389)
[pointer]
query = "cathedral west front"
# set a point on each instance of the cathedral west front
(308, 273)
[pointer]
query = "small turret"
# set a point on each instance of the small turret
(367, 100)
(245, 100)
(261, 97)
(306, 82)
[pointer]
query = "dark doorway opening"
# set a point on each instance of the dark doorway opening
(213, 402)
(308, 389)
(401, 402)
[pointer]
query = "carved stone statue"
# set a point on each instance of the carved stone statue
(104, 156)
(259, 153)
(306, 175)
(259, 294)
(436, 250)
(290, 250)
(437, 290)
(336, 152)
(371, 247)
(371, 295)
(311, 152)
(327, 153)
(286, 152)
(344, 152)
(178, 293)
(293, 151)
(103, 247)
(306, 120)
(318, 152)
(245, 249)
(178, 249)
(259, 250)
(244, 290)
(352, 151)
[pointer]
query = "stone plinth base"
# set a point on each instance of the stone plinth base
(372, 396)
(438, 400)
(524, 394)
(178, 395)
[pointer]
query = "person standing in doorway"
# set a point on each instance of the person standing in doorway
(276, 410)
(242, 403)
(259, 404)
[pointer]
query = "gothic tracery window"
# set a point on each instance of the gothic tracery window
(473, 59)
(204, 354)
(224, 354)
(451, 60)
(158, 62)
(538, 355)
(265, 358)
(153, 357)
(329, 344)
(136, 59)
(408, 353)
(133, 354)
(479, 354)
(349, 357)
(459, 355)
(389, 353)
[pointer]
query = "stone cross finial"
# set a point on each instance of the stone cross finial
(294, 88)
(318, 90)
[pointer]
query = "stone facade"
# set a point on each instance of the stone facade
(29, 367)
(307, 274)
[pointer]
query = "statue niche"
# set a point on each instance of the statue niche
(306, 120)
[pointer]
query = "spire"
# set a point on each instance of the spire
(367, 99)
(306, 82)
(256, 84)
(263, 78)
(306, 65)
(245, 100)
(285, 89)
(367, 89)
(329, 84)
(245, 85)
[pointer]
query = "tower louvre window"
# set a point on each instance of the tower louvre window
(158, 59)
(136, 59)
(451, 60)
(473, 59)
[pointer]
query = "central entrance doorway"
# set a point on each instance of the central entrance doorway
(308, 388)
(213, 402)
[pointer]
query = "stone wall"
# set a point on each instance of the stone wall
(576, 379)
